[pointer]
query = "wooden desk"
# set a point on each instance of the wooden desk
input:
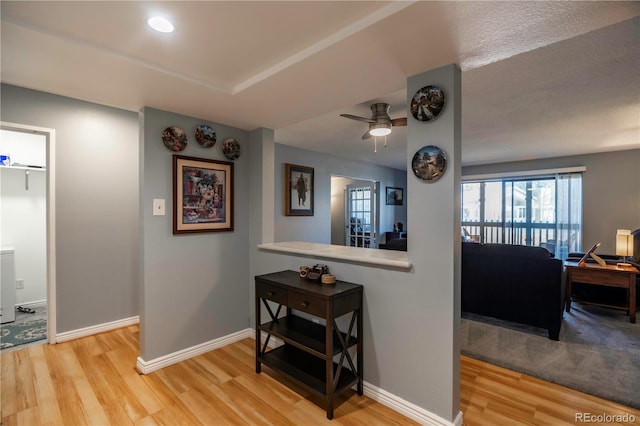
(608, 275)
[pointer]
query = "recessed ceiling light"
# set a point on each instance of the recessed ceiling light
(160, 24)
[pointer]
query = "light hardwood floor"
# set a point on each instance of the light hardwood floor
(92, 381)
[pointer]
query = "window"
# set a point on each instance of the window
(543, 211)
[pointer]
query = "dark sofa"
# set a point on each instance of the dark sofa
(514, 283)
(399, 244)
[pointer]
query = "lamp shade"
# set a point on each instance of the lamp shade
(624, 242)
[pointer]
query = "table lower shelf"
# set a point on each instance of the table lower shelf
(604, 304)
(307, 369)
(305, 334)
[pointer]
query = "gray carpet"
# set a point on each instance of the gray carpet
(598, 352)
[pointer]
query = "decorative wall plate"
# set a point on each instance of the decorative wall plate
(231, 148)
(205, 136)
(429, 163)
(427, 103)
(174, 138)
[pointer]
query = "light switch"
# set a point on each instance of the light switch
(158, 207)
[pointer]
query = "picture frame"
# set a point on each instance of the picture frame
(394, 196)
(202, 195)
(298, 190)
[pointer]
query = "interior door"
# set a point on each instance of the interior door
(29, 208)
(360, 215)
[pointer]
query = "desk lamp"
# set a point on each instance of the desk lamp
(624, 245)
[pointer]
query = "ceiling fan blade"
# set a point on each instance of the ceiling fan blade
(366, 135)
(355, 117)
(402, 121)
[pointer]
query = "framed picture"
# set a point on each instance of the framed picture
(202, 195)
(395, 196)
(298, 191)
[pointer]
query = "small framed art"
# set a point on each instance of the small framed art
(298, 191)
(395, 196)
(202, 195)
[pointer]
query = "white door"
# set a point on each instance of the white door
(360, 215)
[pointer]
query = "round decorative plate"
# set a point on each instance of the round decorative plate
(231, 148)
(427, 103)
(429, 163)
(205, 136)
(174, 138)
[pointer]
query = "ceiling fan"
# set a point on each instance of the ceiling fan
(380, 123)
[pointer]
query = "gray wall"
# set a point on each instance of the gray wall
(411, 318)
(96, 204)
(194, 286)
(610, 188)
(317, 228)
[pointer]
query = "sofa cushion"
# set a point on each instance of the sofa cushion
(506, 250)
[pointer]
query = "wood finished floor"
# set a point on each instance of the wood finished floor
(92, 381)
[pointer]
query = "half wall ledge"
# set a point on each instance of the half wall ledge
(367, 256)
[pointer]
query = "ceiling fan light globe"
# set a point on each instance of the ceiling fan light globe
(380, 131)
(160, 24)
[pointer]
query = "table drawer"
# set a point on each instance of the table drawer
(271, 292)
(308, 304)
(600, 277)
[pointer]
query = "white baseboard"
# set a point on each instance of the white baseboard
(95, 329)
(34, 302)
(394, 402)
(146, 367)
(407, 408)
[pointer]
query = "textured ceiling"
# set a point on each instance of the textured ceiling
(539, 79)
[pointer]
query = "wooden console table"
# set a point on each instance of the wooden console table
(310, 347)
(608, 275)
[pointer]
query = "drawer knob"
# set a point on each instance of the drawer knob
(270, 293)
(305, 304)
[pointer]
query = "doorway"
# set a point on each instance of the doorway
(354, 212)
(360, 214)
(27, 203)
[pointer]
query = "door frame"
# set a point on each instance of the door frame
(374, 209)
(50, 138)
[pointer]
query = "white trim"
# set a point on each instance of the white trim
(33, 302)
(146, 367)
(117, 54)
(407, 408)
(338, 36)
(30, 168)
(377, 394)
(50, 135)
(503, 175)
(306, 53)
(95, 329)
